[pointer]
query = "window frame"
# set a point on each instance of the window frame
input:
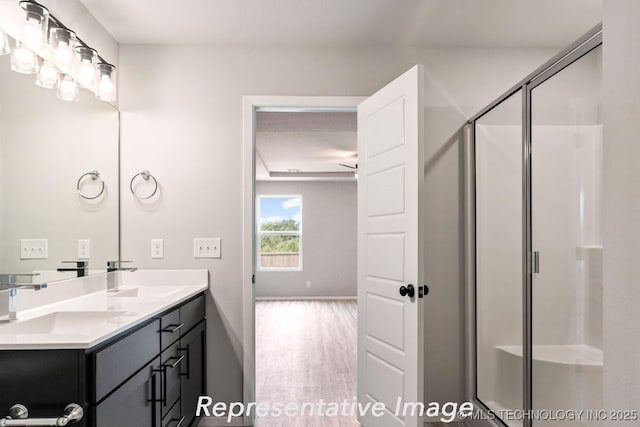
(260, 233)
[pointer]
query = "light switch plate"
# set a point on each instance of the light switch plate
(207, 247)
(34, 248)
(84, 249)
(157, 248)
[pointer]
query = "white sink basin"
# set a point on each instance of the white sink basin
(147, 292)
(62, 323)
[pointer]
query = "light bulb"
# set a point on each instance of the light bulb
(47, 77)
(32, 33)
(63, 55)
(23, 60)
(34, 25)
(67, 89)
(106, 85)
(105, 88)
(86, 74)
(63, 42)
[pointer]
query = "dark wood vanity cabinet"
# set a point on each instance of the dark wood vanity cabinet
(193, 377)
(148, 376)
(45, 381)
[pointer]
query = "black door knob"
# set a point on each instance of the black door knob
(408, 290)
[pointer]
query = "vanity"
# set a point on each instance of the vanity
(132, 357)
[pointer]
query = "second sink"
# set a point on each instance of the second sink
(147, 292)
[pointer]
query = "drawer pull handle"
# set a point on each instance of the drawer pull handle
(173, 328)
(180, 421)
(182, 374)
(176, 363)
(163, 385)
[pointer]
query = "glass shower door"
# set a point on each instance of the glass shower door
(499, 255)
(566, 215)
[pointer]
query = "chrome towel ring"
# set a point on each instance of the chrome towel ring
(95, 175)
(146, 175)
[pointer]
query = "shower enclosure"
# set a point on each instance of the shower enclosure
(536, 196)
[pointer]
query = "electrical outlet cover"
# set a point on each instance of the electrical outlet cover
(157, 248)
(84, 249)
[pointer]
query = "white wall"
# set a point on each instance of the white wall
(621, 231)
(182, 120)
(329, 222)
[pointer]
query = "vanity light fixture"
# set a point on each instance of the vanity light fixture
(87, 62)
(47, 76)
(34, 28)
(106, 85)
(67, 61)
(63, 43)
(24, 60)
(67, 88)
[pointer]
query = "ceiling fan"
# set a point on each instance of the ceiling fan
(355, 167)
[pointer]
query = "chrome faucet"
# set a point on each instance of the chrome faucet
(8, 282)
(113, 274)
(82, 267)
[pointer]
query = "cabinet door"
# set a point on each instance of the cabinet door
(45, 381)
(173, 418)
(171, 367)
(135, 403)
(193, 372)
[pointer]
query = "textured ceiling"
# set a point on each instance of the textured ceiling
(305, 142)
(348, 23)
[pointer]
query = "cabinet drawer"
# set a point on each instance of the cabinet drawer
(191, 313)
(172, 361)
(170, 328)
(117, 362)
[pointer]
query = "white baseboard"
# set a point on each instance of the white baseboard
(302, 298)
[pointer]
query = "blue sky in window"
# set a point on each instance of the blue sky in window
(276, 209)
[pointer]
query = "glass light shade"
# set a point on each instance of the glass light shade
(86, 69)
(67, 88)
(106, 84)
(34, 28)
(5, 48)
(47, 76)
(63, 43)
(23, 60)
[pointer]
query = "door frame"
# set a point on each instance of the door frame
(250, 105)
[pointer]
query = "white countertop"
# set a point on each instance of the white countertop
(87, 320)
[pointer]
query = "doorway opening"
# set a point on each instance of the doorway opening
(303, 255)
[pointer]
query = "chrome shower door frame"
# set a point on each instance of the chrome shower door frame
(577, 50)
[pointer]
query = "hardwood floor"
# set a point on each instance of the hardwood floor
(306, 351)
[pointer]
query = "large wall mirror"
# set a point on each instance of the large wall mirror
(49, 150)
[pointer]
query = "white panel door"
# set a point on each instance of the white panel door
(390, 176)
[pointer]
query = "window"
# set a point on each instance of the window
(279, 232)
